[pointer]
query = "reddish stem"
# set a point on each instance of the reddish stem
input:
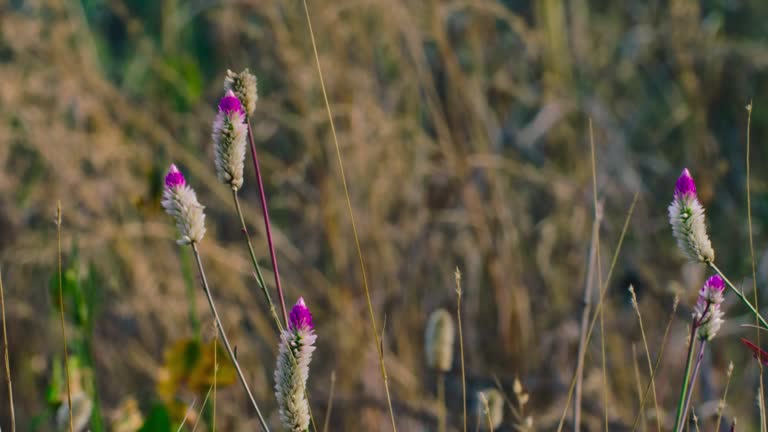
(265, 212)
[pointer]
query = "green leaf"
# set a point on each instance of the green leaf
(158, 420)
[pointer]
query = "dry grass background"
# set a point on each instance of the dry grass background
(463, 129)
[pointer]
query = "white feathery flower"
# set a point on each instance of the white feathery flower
(296, 347)
(81, 413)
(180, 202)
(686, 216)
(244, 86)
(438, 340)
(707, 314)
(229, 135)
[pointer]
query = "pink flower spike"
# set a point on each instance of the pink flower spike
(685, 184)
(174, 177)
(230, 103)
(300, 317)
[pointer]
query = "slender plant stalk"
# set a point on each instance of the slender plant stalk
(202, 407)
(647, 356)
(267, 226)
(441, 425)
(686, 376)
(372, 316)
(656, 365)
(329, 408)
(740, 295)
(603, 290)
(637, 381)
(5, 356)
(457, 276)
(754, 271)
(224, 338)
(587, 308)
(255, 263)
(588, 289)
(215, 376)
(186, 415)
(692, 385)
(260, 280)
(487, 411)
(599, 275)
(61, 314)
(721, 405)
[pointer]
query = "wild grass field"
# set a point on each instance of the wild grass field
(535, 146)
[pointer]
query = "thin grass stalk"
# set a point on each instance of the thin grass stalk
(739, 294)
(692, 385)
(637, 382)
(487, 411)
(215, 376)
(599, 274)
(686, 376)
(656, 365)
(5, 356)
(61, 315)
(587, 308)
(605, 374)
(441, 424)
(329, 408)
(636, 306)
(457, 276)
(255, 263)
(224, 338)
(752, 260)
(202, 407)
(267, 225)
(377, 339)
(186, 415)
(603, 290)
(721, 404)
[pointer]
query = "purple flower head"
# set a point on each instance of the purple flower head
(300, 317)
(715, 283)
(230, 103)
(685, 184)
(712, 291)
(174, 177)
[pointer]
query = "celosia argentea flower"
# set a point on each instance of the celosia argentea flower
(296, 347)
(438, 340)
(244, 86)
(708, 315)
(180, 201)
(686, 215)
(229, 135)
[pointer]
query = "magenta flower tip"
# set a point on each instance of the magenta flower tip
(685, 184)
(174, 177)
(230, 103)
(300, 317)
(716, 282)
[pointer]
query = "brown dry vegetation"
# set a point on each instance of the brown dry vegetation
(463, 129)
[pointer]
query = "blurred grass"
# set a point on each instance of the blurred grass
(463, 128)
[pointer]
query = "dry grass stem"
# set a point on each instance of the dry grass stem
(6, 357)
(372, 316)
(603, 289)
(329, 409)
(61, 314)
(457, 277)
(636, 307)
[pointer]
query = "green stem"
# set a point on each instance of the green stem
(255, 263)
(224, 338)
(739, 295)
(692, 385)
(684, 388)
